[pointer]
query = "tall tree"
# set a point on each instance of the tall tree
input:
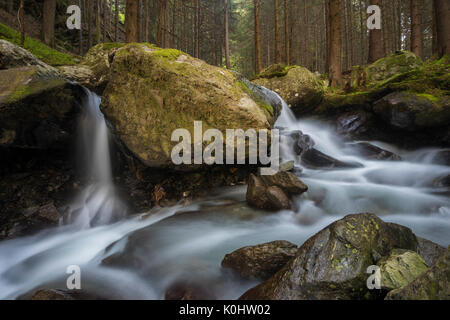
(277, 33)
(48, 22)
(80, 33)
(442, 16)
(335, 53)
(131, 21)
(375, 40)
(10, 6)
(197, 29)
(286, 33)
(227, 41)
(258, 63)
(416, 28)
(21, 23)
(116, 20)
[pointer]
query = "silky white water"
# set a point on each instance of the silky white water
(188, 243)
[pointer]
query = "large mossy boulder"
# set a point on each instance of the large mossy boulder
(433, 284)
(12, 56)
(333, 263)
(411, 111)
(261, 261)
(397, 63)
(152, 92)
(300, 88)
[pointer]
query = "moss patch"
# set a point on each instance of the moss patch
(40, 50)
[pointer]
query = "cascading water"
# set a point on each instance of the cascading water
(97, 204)
(154, 250)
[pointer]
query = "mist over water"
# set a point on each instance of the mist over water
(188, 243)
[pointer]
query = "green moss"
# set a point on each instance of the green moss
(112, 45)
(267, 108)
(171, 54)
(275, 70)
(40, 50)
(32, 88)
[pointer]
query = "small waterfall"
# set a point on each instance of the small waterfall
(98, 203)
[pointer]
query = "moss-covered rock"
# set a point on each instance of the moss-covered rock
(400, 268)
(300, 88)
(410, 111)
(153, 92)
(433, 284)
(397, 63)
(333, 263)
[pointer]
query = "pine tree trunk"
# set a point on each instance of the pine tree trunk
(277, 34)
(48, 22)
(416, 28)
(258, 63)
(80, 33)
(197, 30)
(286, 32)
(375, 41)
(131, 21)
(442, 8)
(227, 43)
(335, 55)
(116, 20)
(21, 23)
(10, 6)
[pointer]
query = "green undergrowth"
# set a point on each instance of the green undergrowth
(37, 48)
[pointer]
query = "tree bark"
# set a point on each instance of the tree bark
(80, 33)
(21, 23)
(227, 42)
(258, 63)
(335, 55)
(197, 29)
(416, 28)
(48, 22)
(277, 34)
(10, 6)
(286, 33)
(442, 16)
(131, 21)
(375, 40)
(116, 20)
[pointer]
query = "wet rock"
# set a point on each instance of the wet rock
(169, 90)
(410, 111)
(400, 268)
(354, 123)
(188, 291)
(52, 294)
(318, 160)
(433, 284)
(278, 199)
(333, 263)
(261, 261)
(256, 193)
(301, 89)
(287, 166)
(442, 182)
(372, 152)
(429, 251)
(287, 181)
(302, 142)
(47, 212)
(442, 157)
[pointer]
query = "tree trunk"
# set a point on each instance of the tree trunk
(277, 34)
(21, 23)
(80, 33)
(258, 63)
(227, 42)
(197, 29)
(131, 21)
(10, 6)
(286, 32)
(48, 22)
(174, 24)
(116, 20)
(335, 55)
(416, 28)
(375, 40)
(441, 8)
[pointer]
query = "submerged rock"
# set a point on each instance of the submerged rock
(433, 284)
(261, 261)
(188, 291)
(256, 193)
(153, 91)
(301, 89)
(333, 263)
(315, 159)
(400, 268)
(278, 198)
(372, 152)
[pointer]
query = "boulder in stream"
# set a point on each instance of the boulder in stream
(261, 261)
(333, 263)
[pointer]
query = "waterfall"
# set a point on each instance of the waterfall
(98, 203)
